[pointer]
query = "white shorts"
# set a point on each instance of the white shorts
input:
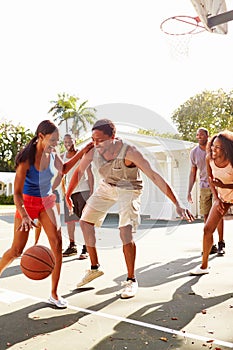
(105, 197)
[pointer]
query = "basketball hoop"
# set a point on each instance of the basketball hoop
(178, 31)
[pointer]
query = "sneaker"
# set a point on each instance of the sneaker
(221, 250)
(89, 276)
(60, 303)
(130, 289)
(83, 256)
(198, 271)
(214, 249)
(71, 250)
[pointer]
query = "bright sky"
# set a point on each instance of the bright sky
(104, 51)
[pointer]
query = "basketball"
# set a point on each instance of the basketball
(37, 262)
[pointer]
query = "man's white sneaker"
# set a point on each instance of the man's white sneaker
(89, 276)
(198, 271)
(130, 289)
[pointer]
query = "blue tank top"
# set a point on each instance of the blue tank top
(38, 183)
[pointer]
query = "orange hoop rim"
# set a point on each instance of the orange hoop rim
(195, 22)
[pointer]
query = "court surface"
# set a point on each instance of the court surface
(172, 310)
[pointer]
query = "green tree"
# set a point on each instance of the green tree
(12, 139)
(66, 109)
(212, 110)
(153, 132)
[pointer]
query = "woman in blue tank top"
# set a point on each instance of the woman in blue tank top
(34, 199)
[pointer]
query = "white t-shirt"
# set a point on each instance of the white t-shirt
(83, 184)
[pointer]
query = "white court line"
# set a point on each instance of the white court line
(131, 321)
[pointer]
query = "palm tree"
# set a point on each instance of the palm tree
(66, 108)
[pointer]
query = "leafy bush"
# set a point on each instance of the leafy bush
(6, 199)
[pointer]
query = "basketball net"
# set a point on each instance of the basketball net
(178, 46)
(178, 31)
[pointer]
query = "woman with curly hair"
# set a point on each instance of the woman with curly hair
(219, 161)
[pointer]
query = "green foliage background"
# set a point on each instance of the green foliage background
(12, 139)
(212, 110)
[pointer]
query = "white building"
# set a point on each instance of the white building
(7, 183)
(171, 159)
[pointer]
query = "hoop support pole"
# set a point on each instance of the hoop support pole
(219, 19)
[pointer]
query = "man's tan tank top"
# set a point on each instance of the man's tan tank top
(116, 173)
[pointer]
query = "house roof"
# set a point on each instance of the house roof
(171, 145)
(134, 115)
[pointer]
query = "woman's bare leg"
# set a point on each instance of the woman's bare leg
(212, 222)
(37, 231)
(51, 224)
(16, 249)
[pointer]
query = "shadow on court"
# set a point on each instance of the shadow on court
(40, 326)
(153, 275)
(174, 314)
(24, 324)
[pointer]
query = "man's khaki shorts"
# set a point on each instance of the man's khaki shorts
(105, 196)
(206, 200)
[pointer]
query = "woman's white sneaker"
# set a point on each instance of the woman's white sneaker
(198, 271)
(130, 289)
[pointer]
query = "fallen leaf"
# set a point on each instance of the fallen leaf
(174, 318)
(163, 339)
(203, 311)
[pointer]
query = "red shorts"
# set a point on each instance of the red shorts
(35, 205)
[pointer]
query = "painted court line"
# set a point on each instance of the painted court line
(118, 318)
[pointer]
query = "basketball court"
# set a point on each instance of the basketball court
(172, 310)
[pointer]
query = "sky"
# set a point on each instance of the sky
(106, 52)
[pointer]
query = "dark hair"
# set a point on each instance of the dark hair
(226, 138)
(68, 135)
(46, 127)
(204, 129)
(106, 126)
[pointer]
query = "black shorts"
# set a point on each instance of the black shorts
(79, 201)
(58, 199)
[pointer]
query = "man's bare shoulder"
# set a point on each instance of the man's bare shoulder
(132, 149)
(133, 153)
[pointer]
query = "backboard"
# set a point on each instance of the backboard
(213, 15)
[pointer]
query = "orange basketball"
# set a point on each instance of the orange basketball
(37, 262)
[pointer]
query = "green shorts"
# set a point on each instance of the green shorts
(206, 200)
